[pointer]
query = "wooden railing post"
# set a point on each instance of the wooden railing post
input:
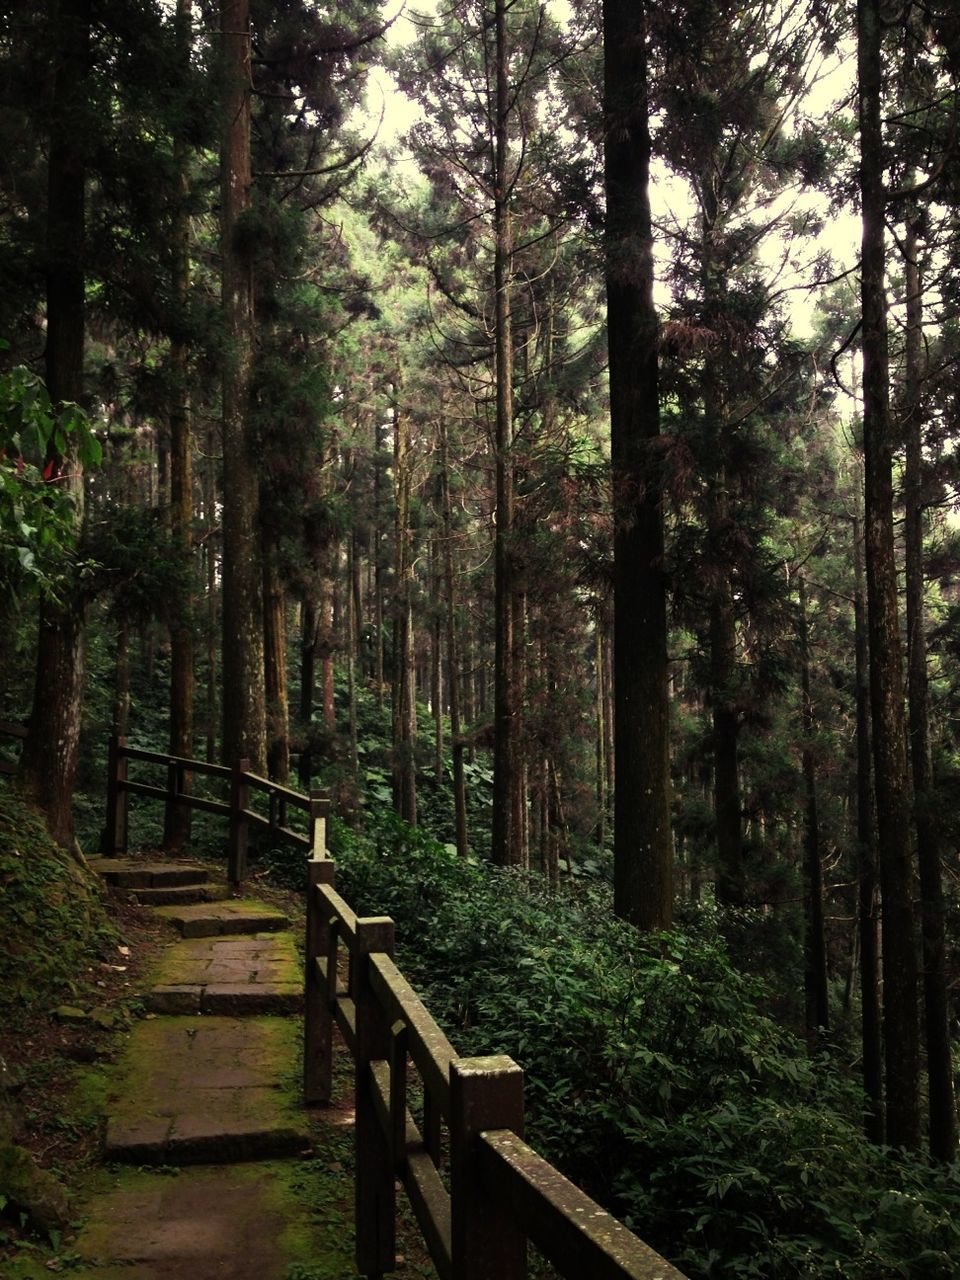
(485, 1093)
(318, 1016)
(375, 1205)
(115, 835)
(239, 830)
(319, 813)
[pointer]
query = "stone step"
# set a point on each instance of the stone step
(235, 976)
(238, 916)
(181, 894)
(209, 1223)
(206, 1091)
(135, 873)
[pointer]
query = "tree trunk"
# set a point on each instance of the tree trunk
(210, 521)
(327, 649)
(436, 661)
(901, 1028)
(404, 684)
(453, 652)
(608, 714)
(275, 673)
(727, 805)
(378, 610)
(121, 691)
(519, 823)
(48, 765)
(176, 831)
(868, 904)
(600, 778)
(505, 844)
(942, 1105)
(352, 647)
(308, 667)
(244, 703)
(643, 854)
(815, 947)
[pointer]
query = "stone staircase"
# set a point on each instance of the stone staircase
(159, 883)
(207, 1078)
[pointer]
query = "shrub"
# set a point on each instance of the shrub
(654, 1078)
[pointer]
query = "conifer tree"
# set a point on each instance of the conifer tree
(901, 1030)
(643, 851)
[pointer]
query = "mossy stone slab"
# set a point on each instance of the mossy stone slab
(229, 976)
(228, 1223)
(238, 916)
(203, 1090)
(200, 961)
(135, 873)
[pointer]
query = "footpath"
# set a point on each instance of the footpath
(205, 1130)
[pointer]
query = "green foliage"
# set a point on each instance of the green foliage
(654, 1078)
(37, 512)
(51, 915)
(138, 562)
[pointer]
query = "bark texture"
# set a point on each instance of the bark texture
(815, 946)
(643, 853)
(941, 1103)
(244, 704)
(176, 831)
(868, 898)
(901, 1028)
(506, 837)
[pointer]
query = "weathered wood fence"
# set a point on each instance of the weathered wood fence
(242, 786)
(478, 1191)
(11, 729)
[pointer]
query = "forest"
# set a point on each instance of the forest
(536, 424)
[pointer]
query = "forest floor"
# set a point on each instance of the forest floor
(170, 1110)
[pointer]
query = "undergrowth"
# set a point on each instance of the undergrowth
(654, 1078)
(51, 913)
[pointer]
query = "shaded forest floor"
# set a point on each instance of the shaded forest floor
(67, 1063)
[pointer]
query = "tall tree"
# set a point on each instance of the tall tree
(182, 682)
(643, 851)
(49, 762)
(731, 82)
(867, 896)
(507, 772)
(901, 1029)
(244, 704)
(918, 86)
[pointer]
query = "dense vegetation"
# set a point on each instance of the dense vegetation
(55, 925)
(556, 474)
(654, 1076)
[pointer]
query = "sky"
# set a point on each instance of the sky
(841, 233)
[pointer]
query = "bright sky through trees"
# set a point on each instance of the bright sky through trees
(832, 88)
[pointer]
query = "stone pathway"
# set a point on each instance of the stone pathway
(208, 1080)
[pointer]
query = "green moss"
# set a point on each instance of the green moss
(88, 1098)
(31, 1190)
(52, 918)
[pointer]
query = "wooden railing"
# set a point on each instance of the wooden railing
(11, 729)
(281, 802)
(478, 1191)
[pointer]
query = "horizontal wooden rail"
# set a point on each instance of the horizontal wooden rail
(501, 1192)
(568, 1228)
(162, 757)
(177, 793)
(431, 1051)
